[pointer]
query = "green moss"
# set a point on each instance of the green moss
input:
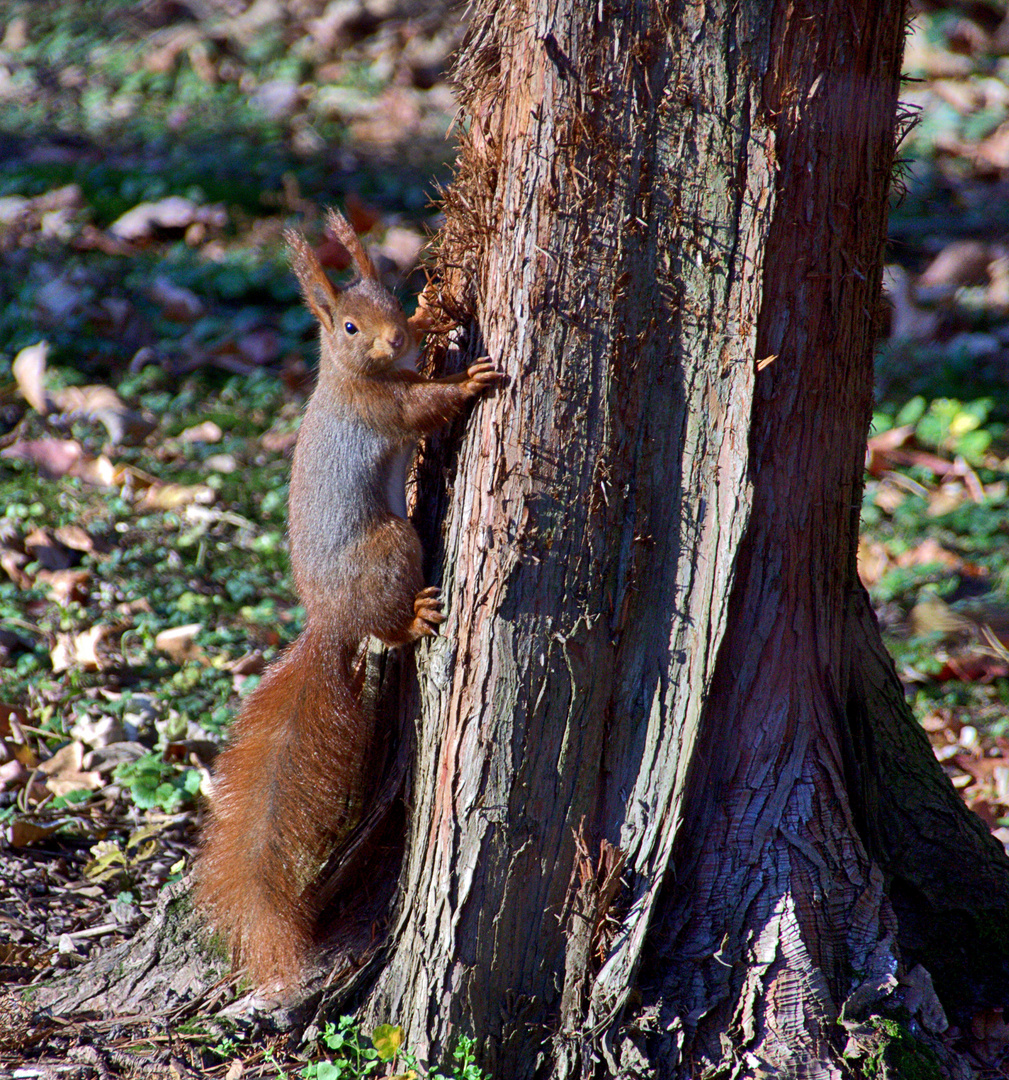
(898, 1055)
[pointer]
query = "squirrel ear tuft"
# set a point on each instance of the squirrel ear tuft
(319, 292)
(342, 229)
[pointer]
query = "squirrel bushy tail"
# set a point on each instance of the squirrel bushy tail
(286, 791)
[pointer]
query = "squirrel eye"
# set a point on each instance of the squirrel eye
(350, 328)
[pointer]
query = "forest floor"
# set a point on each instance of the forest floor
(155, 358)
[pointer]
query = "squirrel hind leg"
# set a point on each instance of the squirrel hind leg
(386, 595)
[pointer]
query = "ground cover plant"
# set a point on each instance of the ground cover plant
(154, 359)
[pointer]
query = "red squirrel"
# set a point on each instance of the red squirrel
(294, 780)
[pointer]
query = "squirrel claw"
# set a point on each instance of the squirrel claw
(427, 613)
(482, 375)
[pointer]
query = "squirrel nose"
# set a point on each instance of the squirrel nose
(397, 339)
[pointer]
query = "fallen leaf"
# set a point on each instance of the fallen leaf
(9, 716)
(12, 563)
(22, 833)
(362, 217)
(101, 472)
(78, 650)
(929, 551)
(207, 432)
(172, 496)
(103, 404)
(64, 771)
(64, 586)
(171, 213)
(992, 152)
(879, 446)
(250, 664)
(75, 538)
(278, 441)
(29, 369)
(179, 642)
(931, 615)
(873, 562)
(92, 239)
(106, 861)
(52, 457)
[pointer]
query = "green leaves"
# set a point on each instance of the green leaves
(154, 783)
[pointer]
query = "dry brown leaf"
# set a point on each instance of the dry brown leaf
(932, 615)
(949, 497)
(29, 370)
(103, 404)
(12, 564)
(75, 538)
(52, 457)
(21, 833)
(171, 213)
(250, 664)
(362, 217)
(929, 551)
(873, 562)
(64, 771)
(973, 668)
(179, 642)
(67, 758)
(993, 152)
(101, 472)
(92, 239)
(78, 650)
(64, 586)
(28, 956)
(172, 496)
(207, 432)
(879, 447)
(13, 774)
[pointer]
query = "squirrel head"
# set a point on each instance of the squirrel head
(363, 328)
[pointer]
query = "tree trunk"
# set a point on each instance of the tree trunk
(650, 831)
(669, 810)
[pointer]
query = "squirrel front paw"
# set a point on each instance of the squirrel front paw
(427, 613)
(482, 376)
